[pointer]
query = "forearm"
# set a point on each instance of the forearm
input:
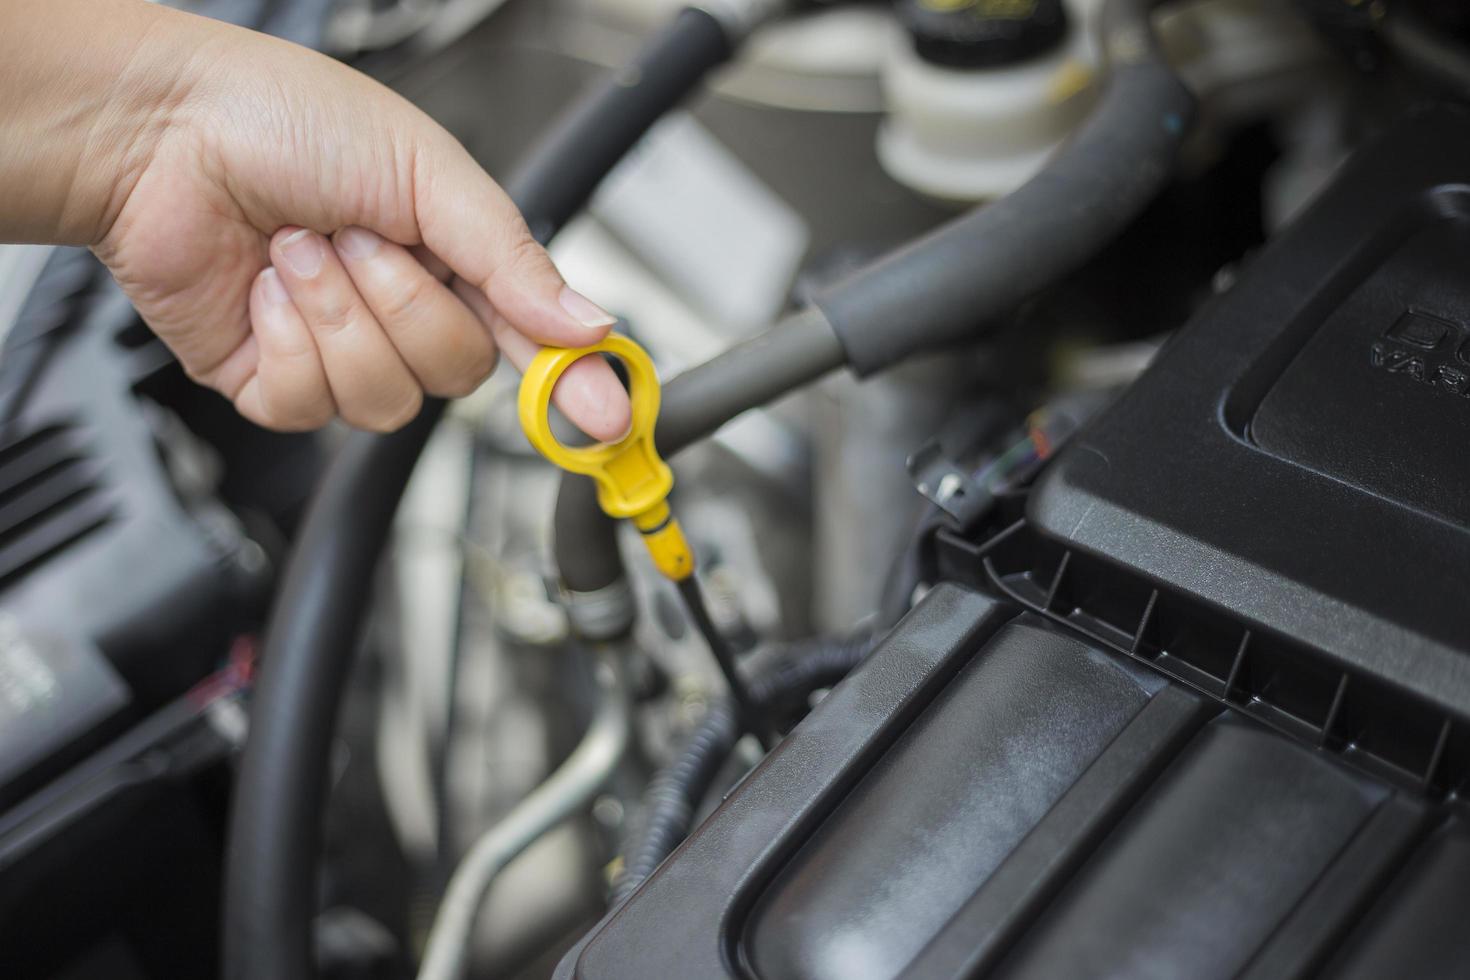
(86, 86)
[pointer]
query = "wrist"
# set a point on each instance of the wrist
(92, 86)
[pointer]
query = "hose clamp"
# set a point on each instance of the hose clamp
(603, 614)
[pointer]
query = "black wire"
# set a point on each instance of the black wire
(750, 712)
(906, 572)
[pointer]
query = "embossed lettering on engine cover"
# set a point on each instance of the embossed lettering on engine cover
(1427, 348)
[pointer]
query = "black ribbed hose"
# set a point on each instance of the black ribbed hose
(946, 287)
(964, 276)
(275, 827)
(603, 124)
(674, 794)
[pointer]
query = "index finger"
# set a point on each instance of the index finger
(469, 222)
(588, 393)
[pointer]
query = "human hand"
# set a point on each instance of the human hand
(311, 245)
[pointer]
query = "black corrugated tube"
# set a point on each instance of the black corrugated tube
(673, 796)
(942, 289)
(312, 633)
(667, 813)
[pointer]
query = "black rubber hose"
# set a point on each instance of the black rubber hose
(674, 793)
(586, 540)
(793, 353)
(943, 288)
(275, 826)
(1434, 52)
(671, 65)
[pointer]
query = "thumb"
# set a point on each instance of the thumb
(470, 223)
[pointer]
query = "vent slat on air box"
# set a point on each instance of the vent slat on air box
(50, 496)
(1294, 689)
(24, 459)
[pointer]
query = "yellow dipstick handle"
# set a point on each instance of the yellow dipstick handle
(632, 481)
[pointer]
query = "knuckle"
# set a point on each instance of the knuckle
(285, 423)
(314, 418)
(405, 413)
(386, 418)
(399, 421)
(458, 386)
(521, 256)
(332, 314)
(359, 418)
(468, 374)
(272, 417)
(203, 371)
(304, 412)
(403, 298)
(196, 375)
(524, 252)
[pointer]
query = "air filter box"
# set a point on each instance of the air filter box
(1196, 703)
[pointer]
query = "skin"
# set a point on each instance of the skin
(307, 242)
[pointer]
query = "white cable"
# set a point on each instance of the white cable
(563, 793)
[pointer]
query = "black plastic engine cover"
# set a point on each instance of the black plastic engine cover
(111, 547)
(1196, 705)
(996, 797)
(132, 504)
(1296, 456)
(1031, 713)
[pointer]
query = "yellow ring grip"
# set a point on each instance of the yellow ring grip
(633, 482)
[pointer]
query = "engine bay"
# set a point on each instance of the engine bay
(1062, 402)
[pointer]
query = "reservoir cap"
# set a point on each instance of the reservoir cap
(971, 34)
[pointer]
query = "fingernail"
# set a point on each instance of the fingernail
(357, 243)
(302, 251)
(584, 311)
(272, 290)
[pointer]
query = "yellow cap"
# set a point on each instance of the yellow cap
(632, 480)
